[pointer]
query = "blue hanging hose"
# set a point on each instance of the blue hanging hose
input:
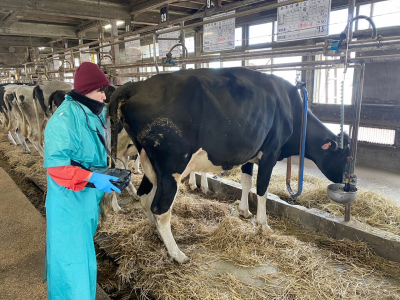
(302, 86)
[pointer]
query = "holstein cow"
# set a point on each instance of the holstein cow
(213, 120)
(16, 125)
(41, 99)
(24, 99)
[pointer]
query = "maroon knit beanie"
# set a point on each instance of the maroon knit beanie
(89, 77)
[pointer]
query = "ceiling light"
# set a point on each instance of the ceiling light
(107, 26)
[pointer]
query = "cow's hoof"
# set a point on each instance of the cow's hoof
(193, 186)
(181, 258)
(266, 229)
(245, 214)
(206, 192)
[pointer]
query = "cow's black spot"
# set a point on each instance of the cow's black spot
(22, 98)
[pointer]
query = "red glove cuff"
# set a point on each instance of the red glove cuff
(72, 177)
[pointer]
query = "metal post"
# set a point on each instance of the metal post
(154, 52)
(347, 211)
(357, 94)
(115, 51)
(352, 5)
(182, 41)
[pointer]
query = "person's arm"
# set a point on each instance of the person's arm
(71, 177)
(75, 178)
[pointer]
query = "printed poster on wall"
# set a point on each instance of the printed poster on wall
(219, 35)
(133, 52)
(165, 45)
(303, 20)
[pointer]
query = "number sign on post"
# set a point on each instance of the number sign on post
(209, 4)
(164, 14)
(304, 20)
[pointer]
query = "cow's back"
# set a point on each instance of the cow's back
(231, 111)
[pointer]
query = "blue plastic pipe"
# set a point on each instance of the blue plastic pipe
(302, 86)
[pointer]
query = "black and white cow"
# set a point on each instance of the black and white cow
(41, 98)
(213, 120)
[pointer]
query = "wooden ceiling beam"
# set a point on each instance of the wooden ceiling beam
(41, 30)
(13, 18)
(73, 9)
(148, 5)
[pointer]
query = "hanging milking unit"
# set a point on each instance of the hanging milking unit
(346, 192)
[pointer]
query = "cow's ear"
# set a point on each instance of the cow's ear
(330, 144)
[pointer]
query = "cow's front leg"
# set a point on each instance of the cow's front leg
(204, 183)
(192, 180)
(265, 166)
(247, 183)
(136, 165)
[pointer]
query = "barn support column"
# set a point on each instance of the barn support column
(198, 46)
(182, 40)
(307, 76)
(115, 52)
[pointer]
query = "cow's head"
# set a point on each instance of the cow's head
(334, 158)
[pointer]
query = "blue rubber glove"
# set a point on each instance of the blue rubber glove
(102, 182)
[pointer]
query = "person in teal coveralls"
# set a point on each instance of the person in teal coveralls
(72, 210)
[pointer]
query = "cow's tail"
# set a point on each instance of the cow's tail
(120, 95)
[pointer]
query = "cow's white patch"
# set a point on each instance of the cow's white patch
(147, 199)
(262, 212)
(247, 183)
(256, 159)
(163, 223)
(200, 162)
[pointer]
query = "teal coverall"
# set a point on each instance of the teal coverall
(72, 217)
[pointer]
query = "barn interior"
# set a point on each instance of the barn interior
(347, 53)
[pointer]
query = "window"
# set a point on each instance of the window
(328, 84)
(238, 37)
(337, 21)
(189, 43)
(145, 51)
(335, 128)
(215, 64)
(365, 10)
(386, 13)
(259, 61)
(260, 34)
(230, 64)
(376, 135)
(289, 75)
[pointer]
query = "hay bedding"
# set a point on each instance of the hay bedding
(370, 207)
(309, 266)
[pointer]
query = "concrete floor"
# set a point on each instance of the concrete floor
(384, 181)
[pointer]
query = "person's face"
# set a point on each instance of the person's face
(97, 95)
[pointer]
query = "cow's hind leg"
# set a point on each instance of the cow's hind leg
(146, 192)
(266, 164)
(247, 183)
(161, 207)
